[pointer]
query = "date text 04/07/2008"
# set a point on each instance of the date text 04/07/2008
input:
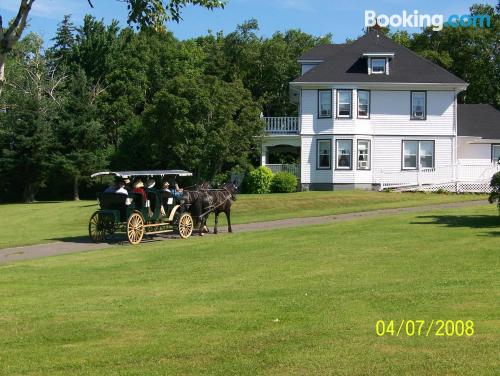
(438, 328)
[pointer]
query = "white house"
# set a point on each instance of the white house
(373, 115)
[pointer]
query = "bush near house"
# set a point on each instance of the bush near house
(495, 190)
(283, 182)
(258, 180)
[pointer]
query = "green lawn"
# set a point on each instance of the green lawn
(297, 301)
(24, 224)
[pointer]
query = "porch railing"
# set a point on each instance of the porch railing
(282, 124)
(291, 168)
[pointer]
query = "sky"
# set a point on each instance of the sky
(342, 18)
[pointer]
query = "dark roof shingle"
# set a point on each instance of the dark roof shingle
(321, 52)
(478, 120)
(345, 63)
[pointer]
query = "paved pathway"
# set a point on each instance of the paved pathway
(84, 244)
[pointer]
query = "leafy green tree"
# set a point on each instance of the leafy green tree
(144, 13)
(495, 190)
(265, 66)
(202, 124)
(472, 53)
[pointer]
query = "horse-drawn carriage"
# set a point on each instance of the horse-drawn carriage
(133, 214)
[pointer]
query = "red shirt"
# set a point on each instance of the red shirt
(142, 192)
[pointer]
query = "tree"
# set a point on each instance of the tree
(202, 124)
(81, 142)
(144, 13)
(471, 53)
(264, 65)
(495, 190)
(27, 132)
(10, 35)
(63, 41)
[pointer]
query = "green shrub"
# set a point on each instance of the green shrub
(221, 178)
(258, 180)
(283, 182)
(495, 190)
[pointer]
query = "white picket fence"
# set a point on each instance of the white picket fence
(458, 178)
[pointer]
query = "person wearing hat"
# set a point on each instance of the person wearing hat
(117, 187)
(139, 188)
(176, 193)
(127, 185)
(150, 183)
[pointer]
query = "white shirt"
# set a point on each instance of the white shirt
(121, 191)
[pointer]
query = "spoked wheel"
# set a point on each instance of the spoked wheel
(97, 227)
(185, 226)
(135, 228)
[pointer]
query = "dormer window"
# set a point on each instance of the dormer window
(379, 62)
(378, 66)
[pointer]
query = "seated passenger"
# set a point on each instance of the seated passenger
(150, 183)
(121, 188)
(118, 187)
(139, 188)
(176, 193)
(127, 185)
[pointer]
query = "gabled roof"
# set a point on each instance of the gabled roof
(345, 63)
(478, 120)
(321, 52)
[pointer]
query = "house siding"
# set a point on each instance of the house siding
(389, 114)
(474, 153)
(388, 125)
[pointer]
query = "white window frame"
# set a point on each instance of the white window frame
(329, 143)
(368, 155)
(339, 91)
(367, 116)
(418, 154)
(493, 147)
(412, 114)
(338, 155)
(404, 167)
(377, 59)
(320, 94)
(432, 155)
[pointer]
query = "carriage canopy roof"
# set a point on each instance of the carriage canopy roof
(127, 174)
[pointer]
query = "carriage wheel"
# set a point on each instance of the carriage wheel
(185, 225)
(135, 228)
(97, 227)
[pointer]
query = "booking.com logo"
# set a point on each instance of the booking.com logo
(436, 21)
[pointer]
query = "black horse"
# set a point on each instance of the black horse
(221, 201)
(204, 201)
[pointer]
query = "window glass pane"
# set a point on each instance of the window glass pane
(344, 103)
(418, 105)
(324, 150)
(426, 154)
(496, 153)
(378, 65)
(363, 103)
(410, 154)
(325, 103)
(344, 151)
(363, 155)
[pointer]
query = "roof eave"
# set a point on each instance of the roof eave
(457, 86)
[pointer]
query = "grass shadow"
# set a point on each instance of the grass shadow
(464, 221)
(116, 239)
